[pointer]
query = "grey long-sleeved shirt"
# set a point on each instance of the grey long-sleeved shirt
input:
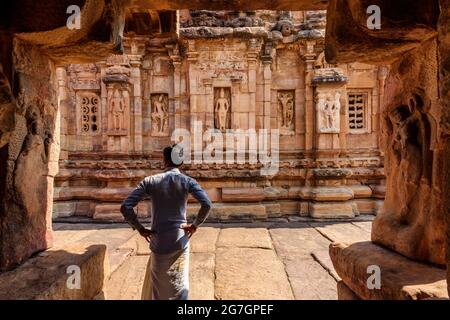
(169, 193)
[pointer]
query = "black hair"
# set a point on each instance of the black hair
(173, 155)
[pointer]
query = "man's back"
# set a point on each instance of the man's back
(168, 192)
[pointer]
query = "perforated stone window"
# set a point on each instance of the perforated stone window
(88, 112)
(357, 111)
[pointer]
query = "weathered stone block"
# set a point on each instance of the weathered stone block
(366, 206)
(242, 194)
(64, 209)
(360, 191)
(46, 277)
(239, 210)
(289, 207)
(415, 281)
(331, 194)
(331, 210)
(111, 212)
(273, 209)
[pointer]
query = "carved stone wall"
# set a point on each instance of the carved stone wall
(31, 155)
(222, 74)
(412, 219)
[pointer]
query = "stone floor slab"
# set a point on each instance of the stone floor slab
(301, 240)
(250, 273)
(244, 238)
(126, 282)
(204, 240)
(201, 276)
(309, 280)
(341, 232)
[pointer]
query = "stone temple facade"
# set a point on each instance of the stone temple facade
(209, 73)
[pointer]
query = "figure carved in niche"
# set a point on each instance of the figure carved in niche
(328, 112)
(286, 109)
(411, 132)
(160, 115)
(118, 106)
(221, 108)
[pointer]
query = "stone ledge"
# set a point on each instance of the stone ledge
(44, 277)
(333, 210)
(111, 211)
(401, 278)
(326, 193)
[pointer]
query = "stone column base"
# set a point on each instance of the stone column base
(400, 278)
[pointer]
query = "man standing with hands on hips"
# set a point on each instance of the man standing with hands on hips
(169, 233)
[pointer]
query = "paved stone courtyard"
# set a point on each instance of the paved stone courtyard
(231, 261)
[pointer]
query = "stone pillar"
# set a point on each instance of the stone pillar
(309, 58)
(252, 57)
(136, 109)
(61, 78)
(267, 80)
(177, 96)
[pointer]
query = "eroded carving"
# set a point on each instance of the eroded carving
(286, 102)
(118, 108)
(160, 114)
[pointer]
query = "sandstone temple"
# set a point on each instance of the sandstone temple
(357, 121)
(269, 68)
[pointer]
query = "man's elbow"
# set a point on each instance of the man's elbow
(207, 205)
(123, 209)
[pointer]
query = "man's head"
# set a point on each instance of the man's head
(173, 156)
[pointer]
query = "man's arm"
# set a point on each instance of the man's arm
(131, 201)
(202, 197)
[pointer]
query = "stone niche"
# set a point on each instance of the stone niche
(286, 111)
(160, 114)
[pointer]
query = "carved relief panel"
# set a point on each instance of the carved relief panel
(222, 108)
(118, 109)
(88, 112)
(328, 108)
(83, 76)
(286, 111)
(160, 114)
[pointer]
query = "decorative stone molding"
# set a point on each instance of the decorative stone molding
(83, 77)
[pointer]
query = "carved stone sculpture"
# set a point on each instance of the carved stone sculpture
(118, 106)
(221, 111)
(286, 111)
(160, 114)
(328, 109)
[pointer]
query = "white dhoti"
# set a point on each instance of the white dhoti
(170, 275)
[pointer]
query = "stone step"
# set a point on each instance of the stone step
(46, 275)
(401, 278)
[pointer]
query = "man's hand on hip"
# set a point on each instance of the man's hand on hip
(146, 233)
(189, 228)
